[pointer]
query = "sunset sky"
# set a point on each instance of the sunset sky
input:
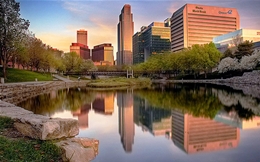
(55, 22)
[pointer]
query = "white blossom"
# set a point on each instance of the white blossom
(227, 64)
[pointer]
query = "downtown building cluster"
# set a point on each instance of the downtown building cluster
(189, 25)
(102, 54)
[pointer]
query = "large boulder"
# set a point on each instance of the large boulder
(39, 126)
(79, 149)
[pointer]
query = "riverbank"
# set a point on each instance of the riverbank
(44, 128)
(17, 92)
(249, 82)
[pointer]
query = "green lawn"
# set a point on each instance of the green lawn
(22, 149)
(119, 82)
(16, 75)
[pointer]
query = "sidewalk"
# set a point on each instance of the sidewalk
(62, 78)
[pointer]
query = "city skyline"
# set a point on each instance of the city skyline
(55, 22)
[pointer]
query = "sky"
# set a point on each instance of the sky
(56, 22)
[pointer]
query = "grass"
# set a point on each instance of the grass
(17, 75)
(22, 149)
(119, 82)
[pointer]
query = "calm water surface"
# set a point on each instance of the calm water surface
(191, 123)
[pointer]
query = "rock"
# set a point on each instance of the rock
(47, 129)
(39, 126)
(79, 149)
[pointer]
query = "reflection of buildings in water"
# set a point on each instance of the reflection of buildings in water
(197, 134)
(82, 114)
(104, 103)
(233, 119)
(156, 121)
(126, 119)
(53, 94)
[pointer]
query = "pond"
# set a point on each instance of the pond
(172, 122)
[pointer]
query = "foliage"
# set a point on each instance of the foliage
(16, 75)
(245, 63)
(244, 49)
(227, 64)
(73, 63)
(195, 59)
(12, 30)
(119, 82)
(228, 53)
(88, 65)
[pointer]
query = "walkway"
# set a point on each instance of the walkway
(62, 78)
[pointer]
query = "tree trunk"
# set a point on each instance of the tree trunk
(4, 70)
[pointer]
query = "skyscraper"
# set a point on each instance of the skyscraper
(82, 37)
(153, 39)
(81, 47)
(125, 31)
(199, 24)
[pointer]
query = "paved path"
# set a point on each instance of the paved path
(62, 78)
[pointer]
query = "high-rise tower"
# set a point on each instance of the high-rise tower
(125, 31)
(82, 37)
(199, 24)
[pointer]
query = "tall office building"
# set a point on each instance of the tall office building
(198, 134)
(125, 31)
(153, 39)
(82, 37)
(199, 24)
(103, 54)
(81, 47)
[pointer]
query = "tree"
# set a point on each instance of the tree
(71, 61)
(227, 53)
(244, 49)
(36, 53)
(12, 29)
(228, 64)
(88, 65)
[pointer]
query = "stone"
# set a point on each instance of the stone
(39, 126)
(79, 149)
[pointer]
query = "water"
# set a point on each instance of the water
(191, 123)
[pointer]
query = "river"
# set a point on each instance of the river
(171, 122)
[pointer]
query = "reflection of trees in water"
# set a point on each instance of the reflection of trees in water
(66, 99)
(198, 101)
(245, 106)
(202, 100)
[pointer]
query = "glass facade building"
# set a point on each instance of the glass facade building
(153, 39)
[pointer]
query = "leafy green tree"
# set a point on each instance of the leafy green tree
(12, 30)
(88, 65)
(244, 49)
(71, 61)
(36, 53)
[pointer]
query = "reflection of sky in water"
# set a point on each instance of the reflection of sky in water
(147, 147)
